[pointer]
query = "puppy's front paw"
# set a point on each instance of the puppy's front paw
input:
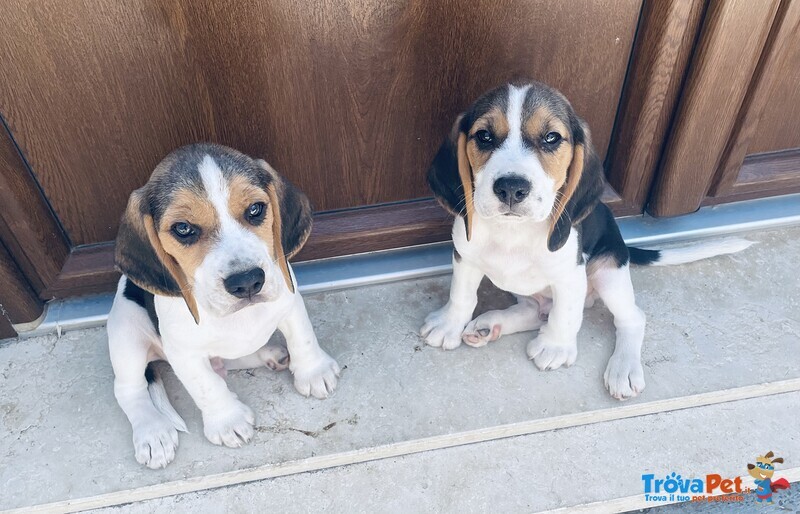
(481, 331)
(442, 330)
(154, 442)
(624, 376)
(232, 426)
(317, 378)
(549, 353)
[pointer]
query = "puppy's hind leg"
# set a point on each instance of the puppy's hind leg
(273, 356)
(490, 325)
(624, 376)
(155, 426)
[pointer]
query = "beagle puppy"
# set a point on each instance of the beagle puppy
(521, 176)
(203, 249)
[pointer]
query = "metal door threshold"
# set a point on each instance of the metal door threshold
(435, 259)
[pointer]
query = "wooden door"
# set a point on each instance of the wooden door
(349, 99)
(736, 134)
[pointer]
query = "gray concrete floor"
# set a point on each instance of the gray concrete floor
(523, 474)
(727, 322)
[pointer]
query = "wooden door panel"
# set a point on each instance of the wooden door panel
(737, 132)
(18, 301)
(733, 35)
(354, 112)
(348, 99)
(95, 93)
(668, 29)
(28, 228)
(779, 126)
(762, 157)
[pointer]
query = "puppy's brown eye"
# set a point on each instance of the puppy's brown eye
(185, 232)
(552, 138)
(484, 138)
(255, 213)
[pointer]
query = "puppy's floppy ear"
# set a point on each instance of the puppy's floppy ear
(140, 255)
(581, 190)
(450, 176)
(291, 220)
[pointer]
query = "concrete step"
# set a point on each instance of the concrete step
(719, 331)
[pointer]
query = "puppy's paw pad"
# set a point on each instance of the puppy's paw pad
(317, 378)
(548, 353)
(232, 427)
(479, 333)
(154, 443)
(442, 331)
(624, 377)
(274, 356)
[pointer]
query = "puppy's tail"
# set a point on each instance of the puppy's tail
(155, 386)
(686, 254)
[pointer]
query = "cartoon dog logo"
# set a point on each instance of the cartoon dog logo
(762, 472)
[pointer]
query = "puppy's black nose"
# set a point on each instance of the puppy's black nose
(245, 284)
(511, 189)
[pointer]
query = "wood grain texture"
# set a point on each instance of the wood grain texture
(28, 228)
(779, 129)
(89, 269)
(664, 42)
(18, 301)
(733, 35)
(377, 228)
(763, 174)
(349, 99)
(96, 93)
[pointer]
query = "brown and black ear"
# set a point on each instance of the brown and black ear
(450, 175)
(779, 460)
(581, 190)
(291, 217)
(750, 466)
(141, 257)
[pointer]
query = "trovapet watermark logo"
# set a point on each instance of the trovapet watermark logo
(675, 488)
(714, 487)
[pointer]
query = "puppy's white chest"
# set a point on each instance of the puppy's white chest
(518, 261)
(519, 272)
(230, 337)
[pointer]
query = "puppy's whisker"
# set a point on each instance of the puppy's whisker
(562, 207)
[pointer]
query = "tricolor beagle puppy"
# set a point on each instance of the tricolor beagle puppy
(521, 175)
(203, 249)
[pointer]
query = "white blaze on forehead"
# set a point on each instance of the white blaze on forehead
(516, 100)
(216, 186)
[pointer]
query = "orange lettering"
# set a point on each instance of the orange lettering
(712, 481)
